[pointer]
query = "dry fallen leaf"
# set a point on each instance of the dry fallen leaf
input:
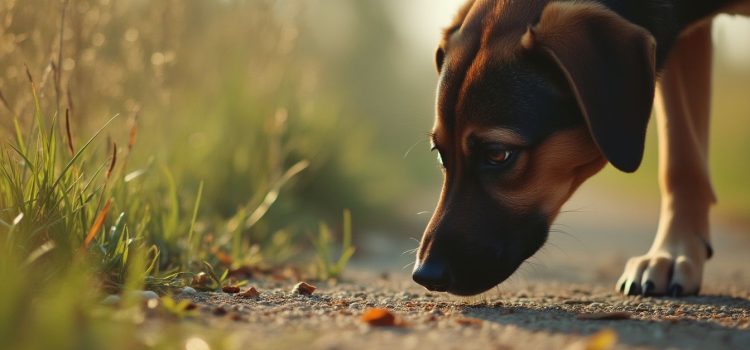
(379, 317)
(223, 257)
(617, 315)
(251, 293)
(303, 289)
(230, 289)
(469, 321)
(220, 311)
(602, 340)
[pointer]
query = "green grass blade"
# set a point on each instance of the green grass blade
(196, 206)
(81, 150)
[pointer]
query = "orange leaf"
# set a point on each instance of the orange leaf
(379, 317)
(97, 224)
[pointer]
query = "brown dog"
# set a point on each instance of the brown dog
(536, 96)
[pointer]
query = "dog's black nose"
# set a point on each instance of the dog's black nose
(433, 275)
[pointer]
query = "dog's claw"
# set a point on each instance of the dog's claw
(675, 291)
(634, 289)
(648, 288)
(670, 270)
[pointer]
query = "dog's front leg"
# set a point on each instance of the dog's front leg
(674, 264)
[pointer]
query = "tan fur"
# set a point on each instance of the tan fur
(528, 39)
(683, 110)
(546, 176)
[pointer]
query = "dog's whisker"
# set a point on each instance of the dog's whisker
(407, 265)
(562, 251)
(561, 225)
(532, 264)
(409, 251)
(406, 154)
(558, 230)
(582, 209)
(424, 212)
(566, 233)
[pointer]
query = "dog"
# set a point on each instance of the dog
(536, 96)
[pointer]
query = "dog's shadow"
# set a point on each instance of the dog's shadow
(709, 322)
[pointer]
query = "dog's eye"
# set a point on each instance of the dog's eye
(496, 155)
(439, 156)
(440, 159)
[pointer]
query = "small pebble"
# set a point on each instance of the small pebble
(201, 279)
(113, 299)
(148, 295)
(303, 288)
(188, 291)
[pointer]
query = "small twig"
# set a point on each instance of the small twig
(28, 74)
(58, 70)
(70, 99)
(133, 132)
(114, 160)
(69, 134)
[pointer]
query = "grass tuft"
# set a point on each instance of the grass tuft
(328, 268)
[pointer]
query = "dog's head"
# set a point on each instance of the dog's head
(533, 98)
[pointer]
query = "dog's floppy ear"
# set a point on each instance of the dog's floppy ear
(456, 24)
(610, 66)
(439, 58)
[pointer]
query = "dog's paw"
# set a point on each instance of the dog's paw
(671, 269)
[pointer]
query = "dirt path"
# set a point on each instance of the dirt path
(533, 314)
(540, 307)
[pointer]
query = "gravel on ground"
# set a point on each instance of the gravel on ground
(534, 314)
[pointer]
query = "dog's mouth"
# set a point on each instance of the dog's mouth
(463, 279)
(467, 291)
(480, 285)
(469, 268)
